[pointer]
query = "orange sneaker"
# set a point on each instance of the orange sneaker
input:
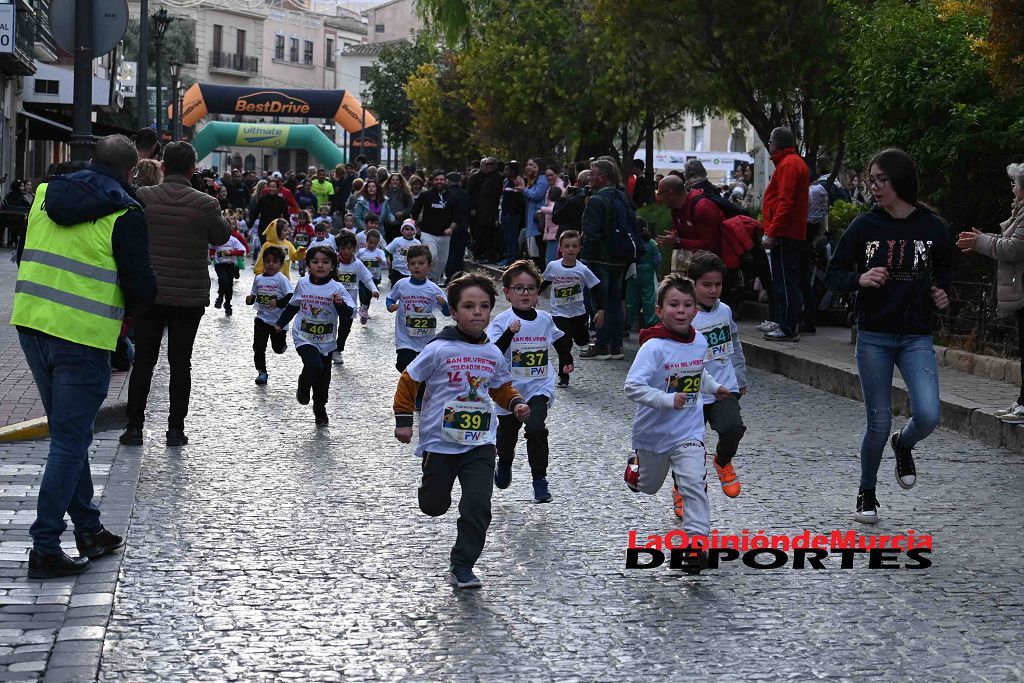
(730, 482)
(677, 502)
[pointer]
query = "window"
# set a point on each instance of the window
(698, 138)
(279, 47)
(240, 43)
(738, 141)
(293, 49)
(44, 87)
(307, 52)
(329, 53)
(218, 38)
(364, 74)
(379, 28)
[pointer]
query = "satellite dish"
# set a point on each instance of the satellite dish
(109, 23)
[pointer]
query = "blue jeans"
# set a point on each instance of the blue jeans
(786, 256)
(913, 354)
(72, 380)
(511, 226)
(609, 335)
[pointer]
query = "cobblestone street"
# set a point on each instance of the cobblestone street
(269, 550)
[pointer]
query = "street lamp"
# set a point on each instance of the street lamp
(174, 66)
(161, 20)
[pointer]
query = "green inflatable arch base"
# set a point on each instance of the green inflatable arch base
(282, 136)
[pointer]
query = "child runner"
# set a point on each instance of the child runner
(414, 299)
(271, 292)
(642, 289)
(724, 361)
(323, 215)
(317, 304)
(274, 236)
(666, 380)
(398, 250)
(372, 222)
(374, 258)
(322, 238)
(524, 335)
(459, 369)
(224, 265)
(353, 274)
(238, 232)
(302, 235)
(568, 278)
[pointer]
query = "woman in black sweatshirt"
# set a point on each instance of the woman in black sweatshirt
(899, 258)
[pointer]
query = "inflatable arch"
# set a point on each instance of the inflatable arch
(205, 98)
(307, 136)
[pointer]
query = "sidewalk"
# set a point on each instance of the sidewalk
(21, 412)
(826, 361)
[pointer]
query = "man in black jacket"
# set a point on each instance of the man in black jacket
(434, 213)
(569, 214)
(460, 237)
(484, 189)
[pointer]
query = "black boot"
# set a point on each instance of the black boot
(219, 301)
(176, 437)
(132, 436)
(42, 566)
(99, 544)
(320, 413)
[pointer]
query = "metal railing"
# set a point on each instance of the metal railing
(972, 322)
(234, 62)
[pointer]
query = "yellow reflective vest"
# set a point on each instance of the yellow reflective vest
(67, 282)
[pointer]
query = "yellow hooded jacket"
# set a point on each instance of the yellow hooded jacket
(272, 239)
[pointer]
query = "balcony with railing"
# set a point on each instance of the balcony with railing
(19, 61)
(45, 46)
(239, 64)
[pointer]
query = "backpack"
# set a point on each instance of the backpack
(835, 192)
(621, 233)
(737, 218)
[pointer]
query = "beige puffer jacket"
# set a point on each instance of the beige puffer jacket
(1008, 250)
(183, 222)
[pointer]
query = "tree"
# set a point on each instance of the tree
(385, 87)
(441, 126)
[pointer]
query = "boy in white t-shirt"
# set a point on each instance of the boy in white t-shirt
(414, 299)
(398, 251)
(460, 372)
(667, 381)
(317, 304)
(353, 274)
(374, 258)
(271, 292)
(322, 238)
(525, 335)
(568, 280)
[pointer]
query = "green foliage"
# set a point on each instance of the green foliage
(441, 124)
(841, 214)
(385, 91)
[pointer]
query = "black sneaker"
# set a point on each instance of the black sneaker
(227, 309)
(262, 378)
(906, 473)
(42, 566)
(595, 353)
(867, 507)
(463, 577)
(176, 437)
(132, 436)
(302, 395)
(808, 329)
(320, 415)
(563, 382)
(98, 544)
(616, 354)
(219, 301)
(541, 494)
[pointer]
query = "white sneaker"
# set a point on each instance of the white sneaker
(768, 326)
(336, 357)
(1007, 411)
(1015, 415)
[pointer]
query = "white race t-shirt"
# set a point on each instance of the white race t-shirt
(399, 250)
(316, 323)
(567, 286)
(327, 241)
(528, 357)
(724, 359)
(415, 324)
(224, 252)
(374, 261)
(351, 274)
(457, 413)
(663, 368)
(267, 288)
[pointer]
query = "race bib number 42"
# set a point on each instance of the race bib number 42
(466, 421)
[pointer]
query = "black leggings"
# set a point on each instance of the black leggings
(316, 372)
(225, 278)
(344, 328)
(365, 295)
(536, 437)
(260, 334)
(577, 331)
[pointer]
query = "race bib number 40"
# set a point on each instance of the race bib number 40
(466, 421)
(317, 331)
(719, 341)
(530, 362)
(687, 384)
(420, 325)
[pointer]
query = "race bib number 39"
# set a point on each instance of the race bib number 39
(687, 384)
(719, 341)
(466, 421)
(530, 362)
(420, 325)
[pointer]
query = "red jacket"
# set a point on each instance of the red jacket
(738, 237)
(698, 226)
(785, 200)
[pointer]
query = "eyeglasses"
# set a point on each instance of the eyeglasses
(877, 182)
(521, 289)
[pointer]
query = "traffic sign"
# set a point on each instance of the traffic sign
(109, 23)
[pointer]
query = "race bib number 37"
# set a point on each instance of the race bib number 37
(530, 362)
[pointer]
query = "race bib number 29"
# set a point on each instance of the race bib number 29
(686, 384)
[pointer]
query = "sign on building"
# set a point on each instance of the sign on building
(126, 75)
(7, 26)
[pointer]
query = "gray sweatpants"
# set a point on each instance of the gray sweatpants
(689, 470)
